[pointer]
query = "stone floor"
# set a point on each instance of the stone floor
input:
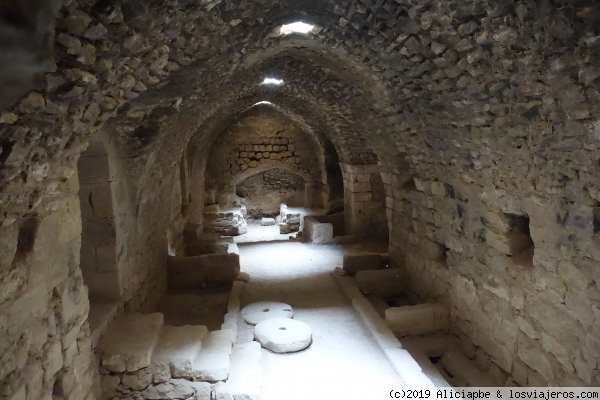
(343, 362)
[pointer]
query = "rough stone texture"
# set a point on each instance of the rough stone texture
(265, 310)
(383, 282)
(214, 361)
(465, 370)
(317, 232)
(473, 111)
(267, 221)
(263, 139)
(263, 193)
(177, 349)
(229, 223)
(196, 272)
(354, 263)
(283, 335)
(420, 319)
(245, 380)
(288, 221)
(129, 343)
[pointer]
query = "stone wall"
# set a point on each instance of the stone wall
(518, 268)
(364, 201)
(44, 335)
(488, 105)
(261, 140)
(264, 193)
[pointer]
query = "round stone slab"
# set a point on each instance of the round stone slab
(283, 335)
(265, 310)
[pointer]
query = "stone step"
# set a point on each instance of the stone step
(381, 282)
(213, 362)
(245, 379)
(129, 342)
(177, 349)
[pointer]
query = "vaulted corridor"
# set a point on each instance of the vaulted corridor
(419, 180)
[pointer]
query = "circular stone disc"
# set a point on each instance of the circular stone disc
(283, 335)
(264, 310)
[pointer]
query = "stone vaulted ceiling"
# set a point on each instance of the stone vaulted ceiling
(425, 79)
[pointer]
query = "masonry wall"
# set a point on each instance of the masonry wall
(513, 249)
(364, 201)
(264, 193)
(261, 140)
(45, 344)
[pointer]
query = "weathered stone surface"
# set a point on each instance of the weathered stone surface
(283, 335)
(267, 222)
(178, 347)
(462, 107)
(213, 363)
(264, 310)
(129, 342)
(466, 370)
(190, 272)
(354, 263)
(419, 319)
(383, 282)
(246, 378)
(317, 232)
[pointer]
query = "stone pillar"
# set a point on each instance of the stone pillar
(364, 201)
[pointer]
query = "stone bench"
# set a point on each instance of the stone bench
(317, 232)
(196, 272)
(419, 319)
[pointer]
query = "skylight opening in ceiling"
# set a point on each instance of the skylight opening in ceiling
(296, 27)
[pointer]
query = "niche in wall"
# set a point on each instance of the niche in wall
(264, 192)
(519, 236)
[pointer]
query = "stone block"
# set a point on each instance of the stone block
(358, 187)
(213, 208)
(195, 272)
(354, 263)
(177, 348)
(419, 319)
(267, 222)
(382, 282)
(317, 232)
(465, 370)
(213, 362)
(129, 342)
